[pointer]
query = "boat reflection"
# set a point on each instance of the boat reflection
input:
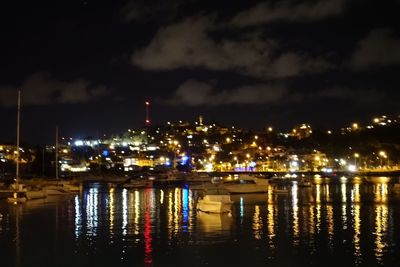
(214, 222)
(342, 216)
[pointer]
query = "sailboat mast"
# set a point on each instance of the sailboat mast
(18, 129)
(56, 151)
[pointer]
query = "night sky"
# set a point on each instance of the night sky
(88, 66)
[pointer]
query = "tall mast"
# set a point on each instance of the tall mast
(18, 122)
(56, 151)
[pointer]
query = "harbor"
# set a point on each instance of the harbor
(104, 225)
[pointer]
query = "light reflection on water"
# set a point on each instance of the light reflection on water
(146, 226)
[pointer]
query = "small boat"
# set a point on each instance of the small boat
(18, 197)
(35, 194)
(215, 201)
(246, 184)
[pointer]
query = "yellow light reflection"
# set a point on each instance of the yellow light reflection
(330, 225)
(327, 193)
(137, 212)
(381, 192)
(295, 208)
(177, 208)
(271, 221)
(357, 233)
(318, 206)
(257, 223)
(344, 206)
(355, 194)
(170, 215)
(112, 208)
(381, 227)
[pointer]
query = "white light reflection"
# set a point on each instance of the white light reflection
(124, 211)
(344, 206)
(92, 211)
(161, 196)
(78, 218)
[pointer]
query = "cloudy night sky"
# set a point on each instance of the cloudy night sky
(88, 66)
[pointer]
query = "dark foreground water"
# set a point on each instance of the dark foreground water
(330, 224)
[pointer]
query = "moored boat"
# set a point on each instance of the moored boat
(246, 184)
(215, 201)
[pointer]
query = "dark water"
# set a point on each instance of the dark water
(334, 224)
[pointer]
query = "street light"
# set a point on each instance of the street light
(356, 156)
(382, 154)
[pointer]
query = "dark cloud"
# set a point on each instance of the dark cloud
(188, 44)
(41, 89)
(379, 48)
(298, 11)
(357, 96)
(198, 93)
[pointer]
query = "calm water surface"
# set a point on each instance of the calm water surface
(342, 223)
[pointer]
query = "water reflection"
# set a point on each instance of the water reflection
(146, 226)
(271, 215)
(344, 205)
(78, 217)
(214, 223)
(357, 233)
(295, 207)
(148, 249)
(257, 223)
(92, 212)
(124, 211)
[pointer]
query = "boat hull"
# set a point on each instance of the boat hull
(214, 206)
(246, 189)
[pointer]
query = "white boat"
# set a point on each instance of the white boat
(246, 184)
(35, 194)
(215, 201)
